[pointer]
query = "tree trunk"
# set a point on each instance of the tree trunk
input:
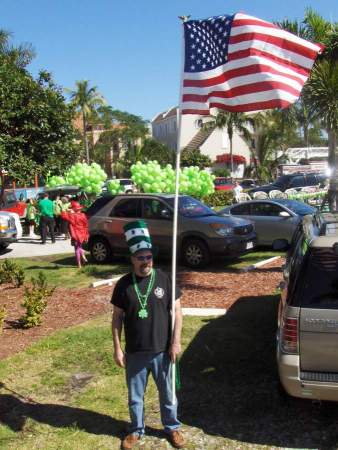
(333, 165)
(85, 140)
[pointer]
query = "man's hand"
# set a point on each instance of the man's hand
(120, 358)
(174, 351)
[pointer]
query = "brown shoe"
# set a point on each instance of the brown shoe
(129, 441)
(176, 439)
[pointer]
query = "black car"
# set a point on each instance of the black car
(292, 181)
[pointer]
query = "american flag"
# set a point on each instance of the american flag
(240, 63)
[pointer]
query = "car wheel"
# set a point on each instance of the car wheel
(129, 192)
(100, 251)
(195, 254)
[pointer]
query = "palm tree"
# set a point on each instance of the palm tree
(321, 95)
(86, 99)
(230, 121)
(20, 55)
(321, 90)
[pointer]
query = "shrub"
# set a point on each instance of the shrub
(35, 301)
(219, 198)
(10, 272)
(2, 316)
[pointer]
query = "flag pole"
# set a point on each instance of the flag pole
(175, 219)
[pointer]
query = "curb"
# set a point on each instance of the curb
(259, 264)
(203, 311)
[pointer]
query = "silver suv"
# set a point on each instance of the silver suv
(307, 336)
(201, 232)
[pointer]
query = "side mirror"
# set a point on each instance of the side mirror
(165, 214)
(284, 214)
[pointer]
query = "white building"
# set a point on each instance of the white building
(295, 154)
(214, 144)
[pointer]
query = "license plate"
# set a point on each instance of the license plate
(249, 245)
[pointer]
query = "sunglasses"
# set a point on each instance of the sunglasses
(144, 258)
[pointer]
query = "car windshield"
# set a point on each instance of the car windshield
(190, 207)
(281, 181)
(297, 207)
(219, 182)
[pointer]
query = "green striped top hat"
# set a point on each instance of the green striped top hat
(137, 236)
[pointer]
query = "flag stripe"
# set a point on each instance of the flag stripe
(241, 74)
(241, 90)
(242, 63)
(244, 99)
(293, 47)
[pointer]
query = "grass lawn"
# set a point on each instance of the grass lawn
(61, 270)
(229, 397)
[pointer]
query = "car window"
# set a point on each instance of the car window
(297, 182)
(265, 209)
(152, 209)
(10, 198)
(241, 209)
(125, 182)
(321, 279)
(311, 180)
(129, 207)
(295, 268)
(190, 207)
(98, 204)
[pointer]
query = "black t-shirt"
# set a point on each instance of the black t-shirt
(151, 334)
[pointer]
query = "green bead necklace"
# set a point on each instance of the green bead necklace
(143, 298)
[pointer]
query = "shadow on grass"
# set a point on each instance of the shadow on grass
(15, 412)
(230, 384)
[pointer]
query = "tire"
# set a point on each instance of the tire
(3, 246)
(100, 251)
(195, 254)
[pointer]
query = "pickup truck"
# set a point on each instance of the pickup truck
(8, 231)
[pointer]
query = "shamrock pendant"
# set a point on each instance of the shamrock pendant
(143, 313)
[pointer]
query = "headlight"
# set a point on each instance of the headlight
(3, 224)
(221, 229)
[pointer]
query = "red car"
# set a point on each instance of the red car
(10, 203)
(223, 184)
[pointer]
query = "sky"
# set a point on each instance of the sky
(129, 49)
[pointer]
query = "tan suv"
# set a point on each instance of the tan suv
(307, 336)
(202, 234)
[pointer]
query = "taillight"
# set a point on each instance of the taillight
(289, 335)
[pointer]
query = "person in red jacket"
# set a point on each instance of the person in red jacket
(78, 228)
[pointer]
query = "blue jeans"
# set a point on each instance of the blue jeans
(138, 367)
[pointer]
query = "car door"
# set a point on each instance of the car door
(158, 217)
(297, 182)
(125, 210)
(270, 224)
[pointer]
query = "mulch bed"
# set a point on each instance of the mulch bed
(67, 307)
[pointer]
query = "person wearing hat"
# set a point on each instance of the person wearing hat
(142, 306)
(78, 228)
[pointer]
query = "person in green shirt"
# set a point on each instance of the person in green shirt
(46, 208)
(31, 213)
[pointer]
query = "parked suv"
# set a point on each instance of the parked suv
(293, 181)
(307, 336)
(201, 234)
(8, 231)
(126, 183)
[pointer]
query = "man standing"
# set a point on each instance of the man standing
(142, 304)
(46, 208)
(237, 190)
